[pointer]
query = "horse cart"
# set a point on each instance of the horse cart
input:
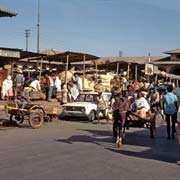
(132, 119)
(149, 121)
(36, 114)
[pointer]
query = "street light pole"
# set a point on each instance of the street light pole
(27, 34)
(38, 26)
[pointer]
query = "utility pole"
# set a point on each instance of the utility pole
(27, 34)
(120, 55)
(149, 57)
(38, 26)
(149, 61)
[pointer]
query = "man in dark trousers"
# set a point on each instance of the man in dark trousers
(170, 106)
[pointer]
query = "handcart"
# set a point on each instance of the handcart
(34, 113)
(51, 112)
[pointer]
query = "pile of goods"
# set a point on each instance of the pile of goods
(104, 81)
(91, 83)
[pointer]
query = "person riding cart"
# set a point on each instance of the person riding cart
(21, 101)
(140, 112)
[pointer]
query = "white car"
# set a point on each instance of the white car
(85, 106)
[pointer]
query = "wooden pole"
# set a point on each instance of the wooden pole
(67, 62)
(11, 69)
(177, 85)
(37, 64)
(96, 72)
(40, 68)
(128, 70)
(117, 71)
(156, 77)
(84, 68)
(136, 72)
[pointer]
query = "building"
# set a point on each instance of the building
(170, 64)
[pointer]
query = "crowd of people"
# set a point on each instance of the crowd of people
(48, 86)
(146, 100)
(20, 84)
(141, 99)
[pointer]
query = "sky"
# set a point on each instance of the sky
(99, 27)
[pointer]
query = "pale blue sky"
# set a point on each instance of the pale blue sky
(100, 27)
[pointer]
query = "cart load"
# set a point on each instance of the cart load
(36, 114)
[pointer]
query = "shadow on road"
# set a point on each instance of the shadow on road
(101, 138)
(160, 149)
(138, 144)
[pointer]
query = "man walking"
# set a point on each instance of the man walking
(170, 107)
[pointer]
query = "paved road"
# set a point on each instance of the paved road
(66, 150)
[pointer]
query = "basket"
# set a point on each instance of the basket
(7, 66)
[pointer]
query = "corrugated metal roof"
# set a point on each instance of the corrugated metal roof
(173, 51)
(73, 57)
(50, 52)
(23, 54)
(165, 59)
(138, 60)
(7, 13)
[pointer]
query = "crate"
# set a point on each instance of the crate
(52, 110)
(34, 95)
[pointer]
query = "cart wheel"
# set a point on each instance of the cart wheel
(48, 118)
(39, 110)
(36, 120)
(18, 119)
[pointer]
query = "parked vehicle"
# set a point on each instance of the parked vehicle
(85, 106)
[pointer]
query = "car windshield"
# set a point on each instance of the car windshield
(81, 98)
(87, 98)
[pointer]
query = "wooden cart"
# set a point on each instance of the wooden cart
(148, 121)
(51, 112)
(34, 113)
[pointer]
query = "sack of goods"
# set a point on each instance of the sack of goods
(7, 66)
(109, 116)
(98, 88)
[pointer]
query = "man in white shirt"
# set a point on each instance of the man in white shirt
(58, 83)
(142, 105)
(143, 111)
(35, 85)
(76, 81)
(50, 85)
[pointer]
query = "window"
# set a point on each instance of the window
(89, 98)
(178, 56)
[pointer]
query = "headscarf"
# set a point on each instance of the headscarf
(9, 77)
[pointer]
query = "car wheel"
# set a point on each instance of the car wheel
(92, 116)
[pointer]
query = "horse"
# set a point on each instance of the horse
(117, 127)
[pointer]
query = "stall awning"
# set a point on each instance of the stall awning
(31, 55)
(127, 60)
(73, 57)
(6, 13)
(12, 54)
